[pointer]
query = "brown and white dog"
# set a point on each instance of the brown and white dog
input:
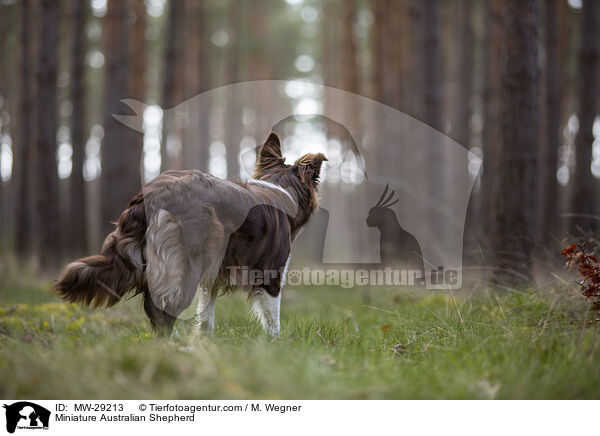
(187, 231)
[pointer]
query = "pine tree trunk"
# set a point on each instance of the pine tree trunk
(116, 182)
(329, 60)
(438, 187)
(197, 80)
(330, 66)
(459, 108)
(548, 206)
(494, 11)
(390, 85)
(258, 63)
(206, 83)
(514, 191)
(7, 21)
(77, 215)
(464, 39)
(380, 71)
(22, 157)
(377, 48)
(350, 83)
(432, 65)
(582, 201)
(46, 175)
(233, 121)
(566, 53)
(137, 87)
(390, 52)
(350, 67)
(416, 44)
(170, 75)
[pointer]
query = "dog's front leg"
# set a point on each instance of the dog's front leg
(266, 308)
(206, 310)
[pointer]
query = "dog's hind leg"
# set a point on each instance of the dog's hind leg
(161, 321)
(206, 310)
(181, 252)
(172, 275)
(266, 308)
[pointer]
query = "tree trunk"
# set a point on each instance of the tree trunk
(77, 215)
(170, 75)
(378, 40)
(388, 26)
(329, 43)
(548, 206)
(381, 72)
(350, 83)
(46, 174)
(460, 70)
(514, 193)
(329, 58)
(582, 201)
(464, 40)
(206, 82)
(397, 20)
(137, 86)
(416, 10)
(197, 80)
(432, 65)
(233, 119)
(7, 19)
(459, 108)
(258, 63)
(22, 157)
(437, 186)
(494, 11)
(118, 185)
(350, 67)
(566, 54)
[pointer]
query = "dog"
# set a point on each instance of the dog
(187, 231)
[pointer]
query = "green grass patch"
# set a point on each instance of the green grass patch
(333, 345)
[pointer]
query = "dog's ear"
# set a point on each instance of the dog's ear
(269, 154)
(309, 168)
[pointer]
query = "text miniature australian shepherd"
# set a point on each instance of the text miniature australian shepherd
(187, 231)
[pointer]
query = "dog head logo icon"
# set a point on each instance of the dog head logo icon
(26, 415)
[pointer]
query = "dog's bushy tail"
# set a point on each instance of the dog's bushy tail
(103, 279)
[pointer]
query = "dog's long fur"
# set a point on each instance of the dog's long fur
(185, 228)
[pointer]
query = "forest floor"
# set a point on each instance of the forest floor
(333, 345)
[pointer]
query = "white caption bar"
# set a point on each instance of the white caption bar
(297, 417)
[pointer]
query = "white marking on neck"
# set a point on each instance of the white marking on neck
(273, 186)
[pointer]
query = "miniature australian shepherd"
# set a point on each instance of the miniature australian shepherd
(187, 231)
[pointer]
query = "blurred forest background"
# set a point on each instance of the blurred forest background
(515, 82)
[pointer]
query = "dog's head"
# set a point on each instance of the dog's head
(302, 178)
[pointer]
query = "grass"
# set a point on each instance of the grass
(533, 344)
